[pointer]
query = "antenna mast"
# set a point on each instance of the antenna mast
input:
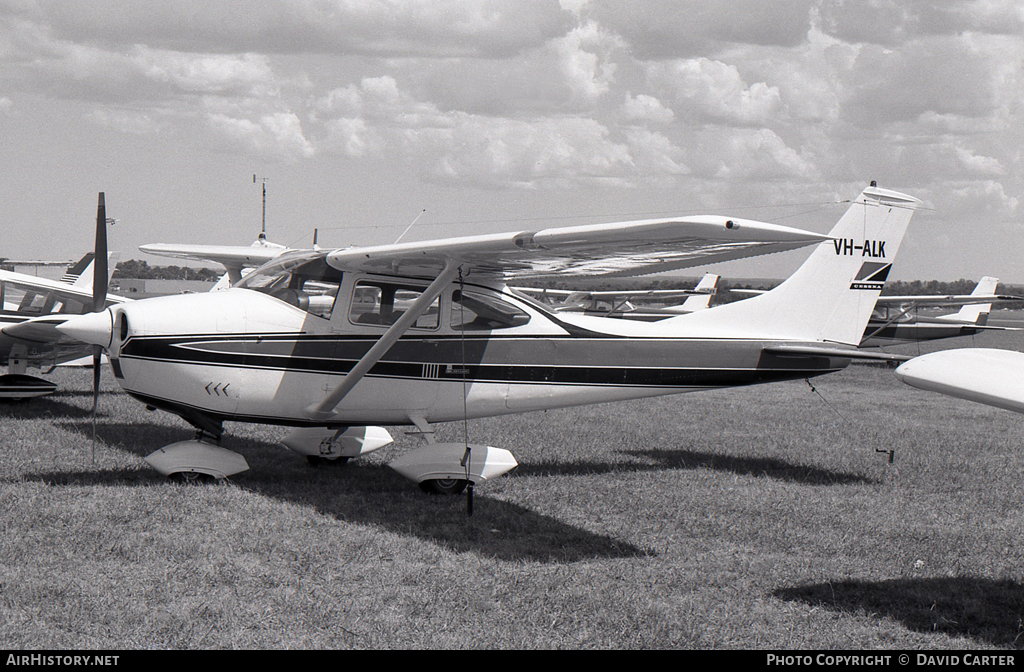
(263, 230)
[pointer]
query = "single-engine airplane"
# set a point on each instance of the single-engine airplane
(895, 319)
(30, 309)
(624, 303)
(333, 342)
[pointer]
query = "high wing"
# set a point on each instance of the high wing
(232, 257)
(983, 375)
(601, 250)
(240, 256)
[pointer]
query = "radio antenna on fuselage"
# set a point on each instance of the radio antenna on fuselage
(410, 226)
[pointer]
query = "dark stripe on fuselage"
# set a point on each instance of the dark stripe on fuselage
(615, 361)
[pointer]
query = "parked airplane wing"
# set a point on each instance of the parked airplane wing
(229, 256)
(945, 299)
(601, 250)
(984, 375)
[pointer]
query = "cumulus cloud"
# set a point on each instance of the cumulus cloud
(705, 89)
(773, 98)
(646, 108)
(474, 148)
(583, 56)
(279, 135)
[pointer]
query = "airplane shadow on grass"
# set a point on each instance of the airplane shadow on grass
(982, 609)
(661, 460)
(49, 407)
(367, 492)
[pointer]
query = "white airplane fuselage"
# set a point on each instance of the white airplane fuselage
(248, 356)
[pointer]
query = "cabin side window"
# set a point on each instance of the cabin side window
(474, 311)
(380, 302)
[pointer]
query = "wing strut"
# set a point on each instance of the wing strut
(324, 411)
(909, 308)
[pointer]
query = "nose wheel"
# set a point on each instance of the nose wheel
(444, 486)
(318, 461)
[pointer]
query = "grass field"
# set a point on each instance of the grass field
(754, 518)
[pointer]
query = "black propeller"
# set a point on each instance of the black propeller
(99, 300)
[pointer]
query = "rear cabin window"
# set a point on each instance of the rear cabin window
(381, 302)
(472, 311)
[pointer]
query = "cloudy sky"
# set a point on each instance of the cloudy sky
(500, 115)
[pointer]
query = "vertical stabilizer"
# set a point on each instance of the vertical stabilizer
(83, 279)
(705, 289)
(75, 272)
(976, 313)
(831, 296)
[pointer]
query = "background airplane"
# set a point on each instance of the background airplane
(649, 304)
(334, 342)
(897, 320)
(31, 309)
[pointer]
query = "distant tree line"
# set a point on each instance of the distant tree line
(143, 271)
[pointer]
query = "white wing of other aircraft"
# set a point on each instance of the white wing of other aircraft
(234, 258)
(334, 342)
(987, 376)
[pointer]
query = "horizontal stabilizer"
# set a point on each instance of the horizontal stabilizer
(986, 376)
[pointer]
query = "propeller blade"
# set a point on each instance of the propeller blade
(100, 275)
(97, 355)
(100, 279)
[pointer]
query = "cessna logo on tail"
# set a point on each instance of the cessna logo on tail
(870, 248)
(872, 275)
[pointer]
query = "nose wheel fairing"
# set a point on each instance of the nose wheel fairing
(23, 386)
(196, 457)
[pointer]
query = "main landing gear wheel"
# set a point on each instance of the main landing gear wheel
(318, 461)
(444, 486)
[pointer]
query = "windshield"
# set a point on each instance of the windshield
(309, 284)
